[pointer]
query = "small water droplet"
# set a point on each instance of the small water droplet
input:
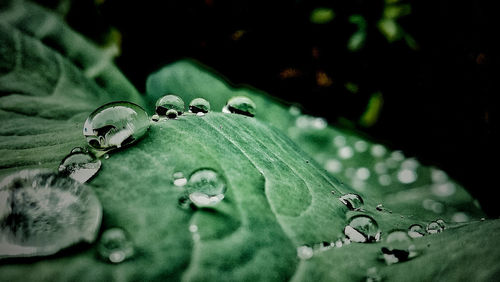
(407, 176)
(398, 247)
(441, 223)
(378, 150)
(42, 213)
(294, 110)
(380, 168)
(78, 150)
(193, 228)
(172, 114)
(445, 189)
(179, 179)
(438, 176)
(339, 141)
(434, 227)
(354, 202)
(381, 208)
(115, 246)
(333, 166)
(460, 217)
(169, 102)
(80, 166)
(345, 152)
(155, 117)
(199, 105)
(206, 187)
(304, 252)
(416, 231)
(115, 125)
(362, 229)
(361, 146)
(385, 180)
(106, 156)
(240, 105)
(363, 173)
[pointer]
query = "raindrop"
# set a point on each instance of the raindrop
(42, 213)
(199, 105)
(397, 247)
(363, 173)
(79, 165)
(240, 105)
(115, 246)
(385, 180)
(434, 227)
(438, 176)
(416, 231)
(345, 152)
(155, 117)
(354, 202)
(378, 150)
(179, 179)
(172, 114)
(319, 123)
(361, 146)
(193, 228)
(169, 102)
(407, 176)
(397, 156)
(339, 141)
(115, 125)
(411, 164)
(294, 110)
(304, 252)
(362, 229)
(206, 187)
(380, 168)
(441, 223)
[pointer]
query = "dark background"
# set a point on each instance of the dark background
(437, 92)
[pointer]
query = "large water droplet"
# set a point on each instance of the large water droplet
(115, 125)
(42, 213)
(79, 165)
(305, 252)
(115, 246)
(240, 105)
(354, 202)
(362, 229)
(206, 187)
(169, 102)
(199, 105)
(434, 227)
(397, 247)
(416, 231)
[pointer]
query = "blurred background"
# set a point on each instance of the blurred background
(416, 75)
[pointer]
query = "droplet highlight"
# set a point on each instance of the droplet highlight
(115, 125)
(353, 202)
(42, 213)
(206, 187)
(240, 105)
(115, 246)
(79, 165)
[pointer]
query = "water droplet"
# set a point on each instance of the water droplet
(407, 176)
(115, 246)
(363, 173)
(172, 114)
(411, 164)
(179, 179)
(193, 228)
(397, 247)
(78, 150)
(115, 125)
(362, 229)
(361, 146)
(385, 180)
(304, 252)
(460, 217)
(380, 168)
(441, 223)
(333, 166)
(438, 176)
(416, 231)
(155, 117)
(378, 150)
(206, 187)
(445, 189)
(432, 205)
(240, 105)
(79, 165)
(381, 208)
(199, 105)
(339, 141)
(319, 123)
(345, 152)
(434, 227)
(354, 202)
(294, 110)
(42, 213)
(169, 102)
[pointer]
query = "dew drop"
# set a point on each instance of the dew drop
(172, 114)
(79, 165)
(333, 166)
(361, 146)
(353, 202)
(434, 227)
(206, 187)
(345, 152)
(115, 246)
(169, 102)
(78, 150)
(240, 105)
(179, 179)
(199, 105)
(378, 150)
(385, 180)
(155, 117)
(363, 173)
(416, 231)
(362, 229)
(339, 141)
(460, 217)
(42, 213)
(398, 247)
(381, 208)
(407, 176)
(115, 125)
(304, 252)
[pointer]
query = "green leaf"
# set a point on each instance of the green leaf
(279, 168)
